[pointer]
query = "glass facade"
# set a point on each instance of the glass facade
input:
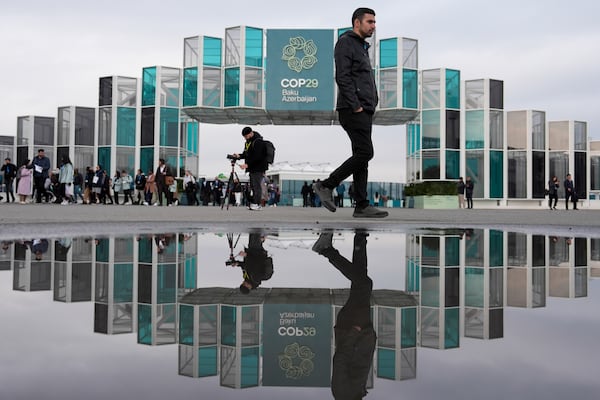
(126, 121)
(253, 92)
(430, 81)
(190, 86)
(388, 53)
(254, 47)
(452, 89)
(538, 130)
(211, 89)
(517, 175)
(388, 94)
(213, 49)
(474, 129)
(169, 127)
(149, 86)
(410, 88)
(496, 174)
(430, 129)
(232, 87)
(475, 170)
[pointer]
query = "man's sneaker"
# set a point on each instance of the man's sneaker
(325, 195)
(255, 207)
(64, 203)
(369, 212)
(323, 242)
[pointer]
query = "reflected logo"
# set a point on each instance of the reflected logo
(297, 361)
(298, 46)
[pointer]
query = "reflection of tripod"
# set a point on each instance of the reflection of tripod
(232, 177)
(231, 260)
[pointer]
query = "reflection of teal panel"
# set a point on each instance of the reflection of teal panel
(104, 158)
(190, 86)
(408, 337)
(228, 322)
(386, 363)
(496, 174)
(300, 70)
(212, 51)
(169, 126)
(413, 276)
(232, 87)
(388, 53)
(452, 164)
(496, 248)
(451, 336)
(166, 284)
(147, 159)
(474, 130)
(207, 361)
(102, 250)
(452, 89)
(249, 369)
(254, 47)
(144, 324)
(410, 88)
(186, 325)
(452, 251)
(430, 287)
(145, 250)
(190, 273)
(123, 283)
(148, 86)
(474, 287)
(126, 126)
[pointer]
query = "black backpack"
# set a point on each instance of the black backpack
(269, 151)
(268, 268)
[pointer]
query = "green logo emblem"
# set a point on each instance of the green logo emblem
(306, 48)
(297, 361)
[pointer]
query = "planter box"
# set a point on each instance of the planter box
(436, 202)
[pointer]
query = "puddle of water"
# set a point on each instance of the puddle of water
(455, 313)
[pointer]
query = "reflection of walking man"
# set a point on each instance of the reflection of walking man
(355, 337)
(357, 99)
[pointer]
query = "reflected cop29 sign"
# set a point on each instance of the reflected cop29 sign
(299, 73)
(297, 345)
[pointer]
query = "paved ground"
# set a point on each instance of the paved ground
(50, 220)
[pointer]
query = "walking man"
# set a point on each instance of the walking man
(40, 166)
(10, 172)
(357, 99)
(568, 185)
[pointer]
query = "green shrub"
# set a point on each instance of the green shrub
(430, 188)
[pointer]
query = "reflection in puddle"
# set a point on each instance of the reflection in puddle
(301, 309)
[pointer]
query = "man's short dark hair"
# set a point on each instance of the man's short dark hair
(246, 130)
(7, 159)
(359, 12)
(40, 150)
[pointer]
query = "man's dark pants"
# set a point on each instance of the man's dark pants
(256, 185)
(38, 182)
(358, 126)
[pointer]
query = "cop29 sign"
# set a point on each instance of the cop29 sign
(299, 69)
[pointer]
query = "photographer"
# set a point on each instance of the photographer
(256, 164)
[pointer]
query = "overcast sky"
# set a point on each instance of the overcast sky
(546, 52)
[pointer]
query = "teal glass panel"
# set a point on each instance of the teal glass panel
(192, 136)
(474, 287)
(126, 126)
(410, 88)
(169, 126)
(388, 53)
(123, 279)
(496, 248)
(212, 54)
(430, 251)
(149, 86)
(254, 47)
(452, 331)
(166, 284)
(452, 164)
(408, 336)
(186, 325)
(452, 89)
(145, 249)
(104, 159)
(414, 131)
(190, 273)
(386, 363)
(147, 160)
(474, 169)
(452, 251)
(228, 322)
(431, 129)
(341, 31)
(232, 87)
(102, 250)
(249, 369)
(190, 86)
(430, 287)
(474, 130)
(496, 174)
(144, 324)
(207, 361)
(431, 164)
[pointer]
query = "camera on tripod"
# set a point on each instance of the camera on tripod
(231, 261)
(232, 157)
